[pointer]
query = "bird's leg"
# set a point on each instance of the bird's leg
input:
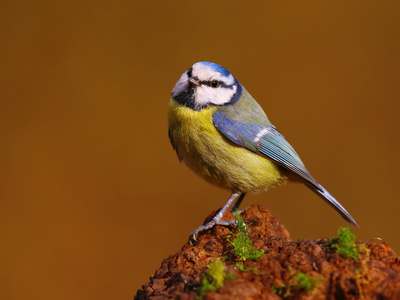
(237, 203)
(217, 218)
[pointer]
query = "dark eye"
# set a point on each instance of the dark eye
(215, 83)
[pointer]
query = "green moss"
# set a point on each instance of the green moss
(345, 243)
(241, 268)
(300, 280)
(213, 278)
(241, 243)
(281, 290)
(304, 282)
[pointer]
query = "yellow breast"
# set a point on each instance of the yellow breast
(212, 156)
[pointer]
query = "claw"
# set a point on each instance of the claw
(217, 218)
(210, 225)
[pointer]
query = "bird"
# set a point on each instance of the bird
(221, 133)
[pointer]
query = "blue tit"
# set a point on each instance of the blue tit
(221, 133)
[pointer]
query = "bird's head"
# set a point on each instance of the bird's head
(206, 84)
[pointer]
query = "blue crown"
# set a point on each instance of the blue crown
(216, 67)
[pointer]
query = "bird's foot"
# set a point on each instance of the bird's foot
(217, 218)
(209, 225)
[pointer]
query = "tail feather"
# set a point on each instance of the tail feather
(324, 194)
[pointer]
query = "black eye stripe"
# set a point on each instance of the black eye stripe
(213, 83)
(220, 84)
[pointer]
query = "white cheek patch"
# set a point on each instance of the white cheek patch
(218, 96)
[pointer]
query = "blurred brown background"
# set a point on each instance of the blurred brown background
(92, 196)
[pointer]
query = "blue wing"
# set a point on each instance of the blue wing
(268, 141)
(263, 140)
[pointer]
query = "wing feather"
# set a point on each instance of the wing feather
(269, 142)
